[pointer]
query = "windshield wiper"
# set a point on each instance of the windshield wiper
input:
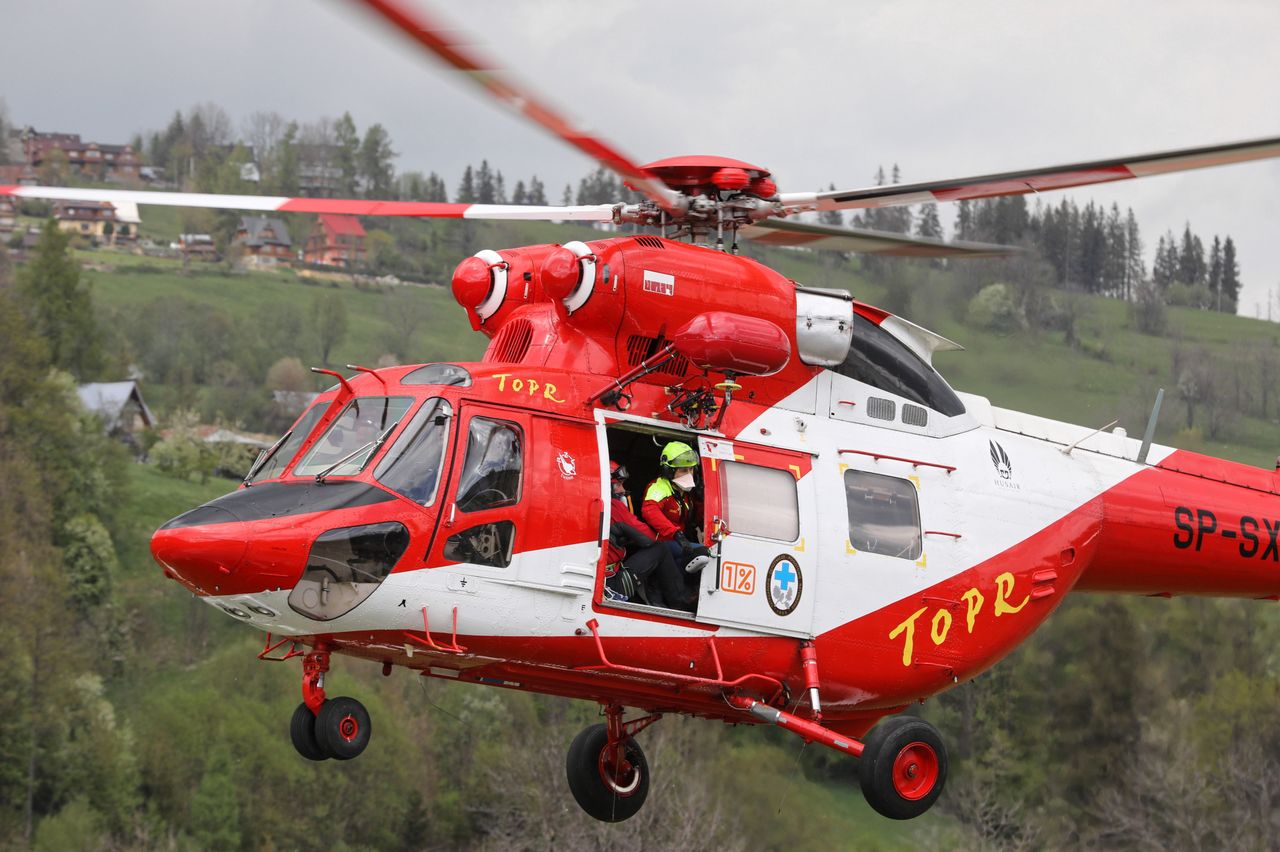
(261, 460)
(372, 447)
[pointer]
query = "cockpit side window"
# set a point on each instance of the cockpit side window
(352, 437)
(491, 470)
(412, 465)
(882, 361)
(278, 459)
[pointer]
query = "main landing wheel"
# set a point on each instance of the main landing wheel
(903, 767)
(607, 788)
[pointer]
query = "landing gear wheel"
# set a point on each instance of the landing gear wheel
(343, 728)
(903, 767)
(607, 792)
(302, 730)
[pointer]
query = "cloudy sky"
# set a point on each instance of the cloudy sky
(818, 92)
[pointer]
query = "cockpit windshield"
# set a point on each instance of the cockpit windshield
(412, 465)
(278, 457)
(353, 438)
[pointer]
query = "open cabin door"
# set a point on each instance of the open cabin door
(760, 501)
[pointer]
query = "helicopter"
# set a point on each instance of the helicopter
(872, 536)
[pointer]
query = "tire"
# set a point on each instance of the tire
(343, 728)
(903, 767)
(302, 730)
(601, 796)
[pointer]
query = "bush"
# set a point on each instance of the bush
(994, 308)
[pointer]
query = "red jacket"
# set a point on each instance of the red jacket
(620, 513)
(666, 508)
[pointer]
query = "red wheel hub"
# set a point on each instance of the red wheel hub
(915, 771)
(620, 776)
(349, 727)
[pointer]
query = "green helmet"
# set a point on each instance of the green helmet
(677, 456)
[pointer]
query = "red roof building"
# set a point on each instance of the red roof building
(335, 241)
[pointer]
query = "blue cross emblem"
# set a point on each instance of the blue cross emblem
(784, 575)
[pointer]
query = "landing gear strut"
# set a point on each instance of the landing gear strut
(608, 773)
(322, 728)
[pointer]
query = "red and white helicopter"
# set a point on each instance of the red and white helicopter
(876, 536)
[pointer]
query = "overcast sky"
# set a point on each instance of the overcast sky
(817, 92)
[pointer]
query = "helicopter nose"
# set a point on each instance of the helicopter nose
(202, 549)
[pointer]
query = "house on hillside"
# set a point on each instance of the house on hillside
(8, 214)
(120, 407)
(318, 174)
(197, 247)
(95, 220)
(263, 241)
(94, 159)
(128, 221)
(336, 241)
(18, 174)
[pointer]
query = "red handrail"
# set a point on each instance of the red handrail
(913, 462)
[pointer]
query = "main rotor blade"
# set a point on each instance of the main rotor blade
(781, 232)
(1035, 180)
(428, 34)
(348, 206)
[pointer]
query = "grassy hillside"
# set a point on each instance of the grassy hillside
(1113, 371)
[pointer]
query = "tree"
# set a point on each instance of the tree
(286, 171)
(1230, 276)
(928, 225)
(4, 134)
(328, 323)
(376, 155)
(467, 188)
(59, 306)
(1164, 269)
(1192, 268)
(346, 157)
(537, 192)
(486, 189)
(435, 189)
(518, 195)
(405, 311)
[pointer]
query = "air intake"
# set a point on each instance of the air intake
(511, 343)
(881, 409)
(650, 242)
(914, 415)
(640, 348)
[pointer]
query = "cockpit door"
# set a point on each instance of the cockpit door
(760, 505)
(482, 513)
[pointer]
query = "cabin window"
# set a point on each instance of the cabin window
(352, 438)
(439, 374)
(491, 470)
(884, 514)
(412, 466)
(486, 544)
(761, 501)
(883, 361)
(279, 456)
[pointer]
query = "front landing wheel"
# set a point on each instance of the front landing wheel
(608, 789)
(343, 728)
(903, 767)
(302, 730)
